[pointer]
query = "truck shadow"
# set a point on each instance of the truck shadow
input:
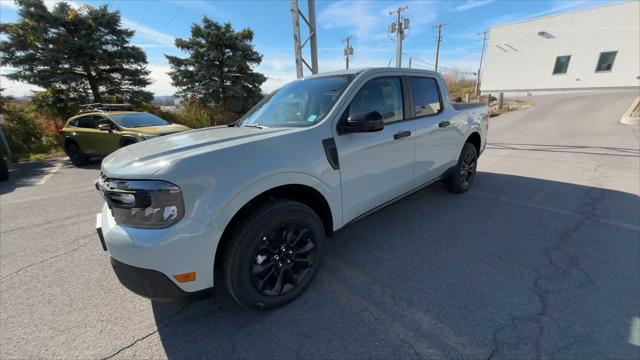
(516, 265)
(30, 173)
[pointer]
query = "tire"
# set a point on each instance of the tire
(260, 267)
(4, 170)
(461, 178)
(77, 157)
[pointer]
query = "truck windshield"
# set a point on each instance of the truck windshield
(299, 103)
(134, 120)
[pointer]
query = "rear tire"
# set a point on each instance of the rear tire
(4, 170)
(461, 179)
(77, 157)
(273, 255)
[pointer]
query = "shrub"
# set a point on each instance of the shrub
(25, 132)
(194, 115)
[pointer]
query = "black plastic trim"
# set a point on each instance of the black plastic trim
(101, 236)
(331, 151)
(153, 284)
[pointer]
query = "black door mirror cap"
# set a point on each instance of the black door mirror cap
(366, 121)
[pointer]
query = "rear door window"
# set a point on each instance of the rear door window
(426, 97)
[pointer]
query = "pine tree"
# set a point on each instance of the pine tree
(81, 53)
(219, 68)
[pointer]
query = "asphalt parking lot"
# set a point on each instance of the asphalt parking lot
(541, 259)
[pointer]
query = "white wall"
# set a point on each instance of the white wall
(527, 65)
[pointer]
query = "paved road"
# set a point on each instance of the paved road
(540, 259)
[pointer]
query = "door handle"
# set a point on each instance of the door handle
(443, 124)
(401, 134)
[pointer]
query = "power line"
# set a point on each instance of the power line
(433, 65)
(169, 22)
(144, 15)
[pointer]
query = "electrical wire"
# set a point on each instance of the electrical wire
(169, 22)
(144, 15)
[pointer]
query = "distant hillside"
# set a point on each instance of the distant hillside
(167, 100)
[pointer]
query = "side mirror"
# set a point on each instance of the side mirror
(367, 121)
(105, 127)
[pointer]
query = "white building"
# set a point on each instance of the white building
(593, 49)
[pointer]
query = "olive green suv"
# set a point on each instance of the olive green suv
(100, 129)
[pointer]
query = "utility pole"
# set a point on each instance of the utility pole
(440, 27)
(348, 50)
(296, 14)
(399, 27)
(484, 40)
(409, 62)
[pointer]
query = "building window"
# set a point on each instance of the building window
(605, 62)
(562, 64)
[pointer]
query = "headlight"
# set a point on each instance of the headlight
(150, 204)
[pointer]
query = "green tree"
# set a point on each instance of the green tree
(81, 53)
(219, 68)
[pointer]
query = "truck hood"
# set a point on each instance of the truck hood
(141, 160)
(159, 130)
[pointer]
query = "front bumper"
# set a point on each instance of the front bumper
(146, 260)
(153, 284)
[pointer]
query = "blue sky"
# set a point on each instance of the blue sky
(158, 23)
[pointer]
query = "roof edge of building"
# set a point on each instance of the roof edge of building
(565, 13)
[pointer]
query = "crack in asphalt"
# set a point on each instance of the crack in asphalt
(50, 257)
(561, 272)
(167, 322)
(164, 322)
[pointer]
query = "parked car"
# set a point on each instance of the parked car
(100, 129)
(4, 169)
(256, 201)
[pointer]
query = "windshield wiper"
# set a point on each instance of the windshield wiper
(255, 126)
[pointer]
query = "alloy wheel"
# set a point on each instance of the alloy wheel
(282, 259)
(468, 168)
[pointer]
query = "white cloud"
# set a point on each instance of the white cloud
(357, 16)
(8, 4)
(149, 34)
(14, 88)
(471, 4)
(161, 82)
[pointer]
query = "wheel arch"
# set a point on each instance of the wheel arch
(303, 193)
(68, 140)
(475, 139)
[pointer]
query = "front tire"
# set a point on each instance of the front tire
(273, 255)
(461, 179)
(77, 157)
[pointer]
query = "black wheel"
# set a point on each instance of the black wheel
(4, 170)
(273, 255)
(77, 157)
(461, 179)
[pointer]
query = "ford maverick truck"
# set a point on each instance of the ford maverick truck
(255, 202)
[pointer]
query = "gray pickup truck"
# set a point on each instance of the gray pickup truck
(256, 201)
